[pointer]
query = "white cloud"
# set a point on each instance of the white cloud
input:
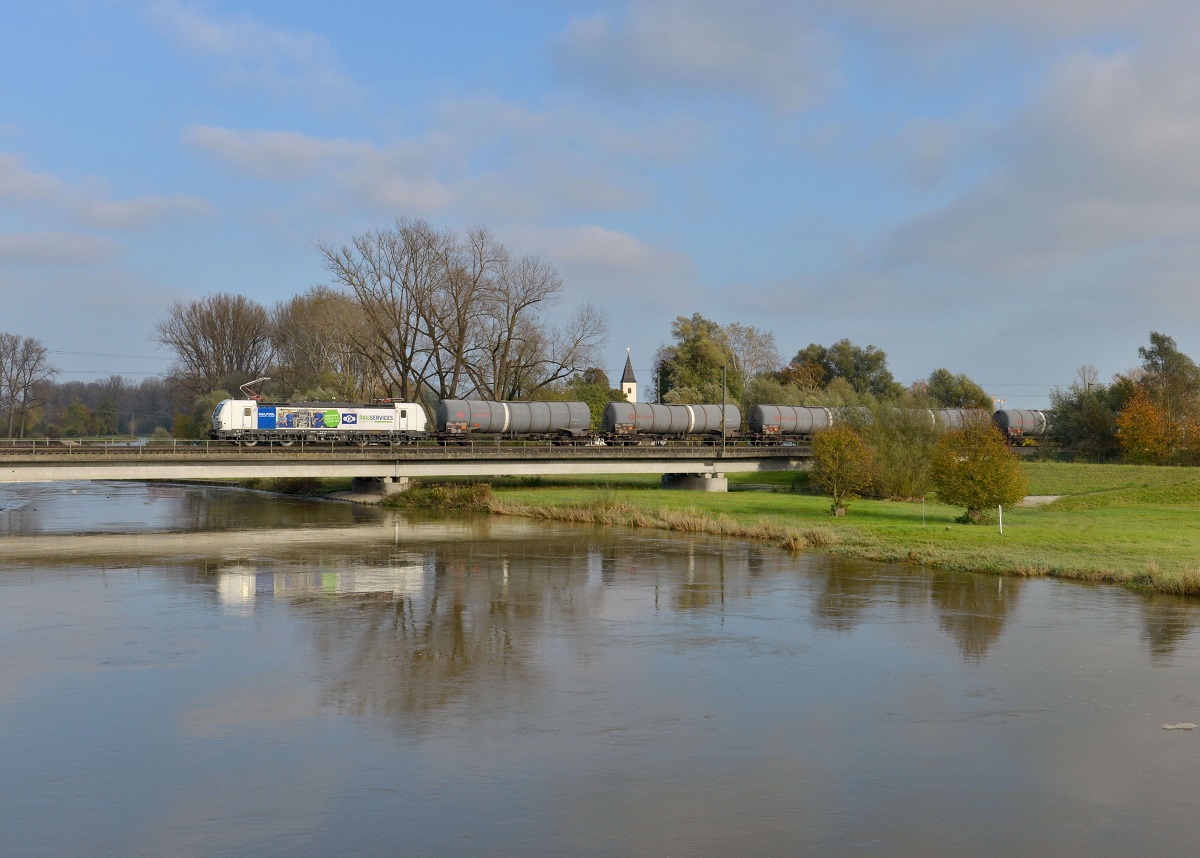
(404, 177)
(138, 213)
(88, 204)
(54, 248)
(761, 49)
(247, 52)
(276, 155)
(1035, 17)
(538, 164)
(610, 251)
(20, 185)
(614, 269)
(1104, 160)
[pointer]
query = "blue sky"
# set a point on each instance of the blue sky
(1006, 188)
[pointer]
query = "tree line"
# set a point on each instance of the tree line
(417, 313)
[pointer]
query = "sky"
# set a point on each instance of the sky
(1005, 188)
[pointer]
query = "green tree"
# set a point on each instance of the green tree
(901, 441)
(1171, 378)
(79, 421)
(865, 369)
(592, 386)
(948, 390)
(974, 467)
(842, 465)
(690, 370)
(107, 422)
(1085, 419)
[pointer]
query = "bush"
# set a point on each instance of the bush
(842, 465)
(475, 497)
(974, 467)
(901, 441)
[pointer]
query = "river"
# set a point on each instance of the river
(197, 671)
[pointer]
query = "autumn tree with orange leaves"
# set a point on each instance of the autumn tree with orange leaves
(1144, 431)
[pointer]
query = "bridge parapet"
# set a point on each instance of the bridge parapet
(235, 463)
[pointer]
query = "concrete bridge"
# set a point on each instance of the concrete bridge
(386, 469)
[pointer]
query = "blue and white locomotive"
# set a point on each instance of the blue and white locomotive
(249, 421)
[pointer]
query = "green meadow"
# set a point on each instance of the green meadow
(1123, 524)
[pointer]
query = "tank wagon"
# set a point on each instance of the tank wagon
(945, 419)
(1017, 424)
(768, 422)
(777, 421)
(249, 421)
(630, 419)
(462, 417)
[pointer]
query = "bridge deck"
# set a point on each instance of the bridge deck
(218, 460)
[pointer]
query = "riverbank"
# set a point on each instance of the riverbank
(1120, 524)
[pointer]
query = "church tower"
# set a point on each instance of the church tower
(628, 382)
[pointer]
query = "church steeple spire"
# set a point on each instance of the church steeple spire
(628, 382)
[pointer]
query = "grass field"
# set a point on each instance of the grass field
(1124, 524)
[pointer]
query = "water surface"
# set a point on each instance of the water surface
(209, 672)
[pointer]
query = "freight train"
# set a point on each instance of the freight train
(250, 421)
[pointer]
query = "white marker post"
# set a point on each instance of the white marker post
(1000, 509)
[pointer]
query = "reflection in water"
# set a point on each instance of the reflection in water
(240, 585)
(1167, 621)
(845, 594)
(408, 633)
(72, 508)
(510, 687)
(973, 609)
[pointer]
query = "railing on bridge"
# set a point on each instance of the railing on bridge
(130, 447)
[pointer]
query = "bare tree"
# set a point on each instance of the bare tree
(23, 368)
(754, 351)
(220, 339)
(1087, 376)
(454, 317)
(521, 351)
(314, 342)
(396, 276)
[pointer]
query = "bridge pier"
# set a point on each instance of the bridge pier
(696, 482)
(383, 486)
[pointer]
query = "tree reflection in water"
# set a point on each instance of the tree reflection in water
(1167, 621)
(973, 609)
(460, 626)
(849, 588)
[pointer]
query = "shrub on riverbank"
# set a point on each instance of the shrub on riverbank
(463, 497)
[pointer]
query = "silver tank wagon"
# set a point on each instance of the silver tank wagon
(643, 418)
(1018, 423)
(469, 416)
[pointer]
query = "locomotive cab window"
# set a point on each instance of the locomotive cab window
(403, 413)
